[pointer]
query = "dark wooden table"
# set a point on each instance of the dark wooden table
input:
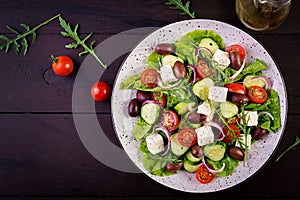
(41, 155)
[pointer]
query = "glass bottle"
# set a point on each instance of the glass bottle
(261, 15)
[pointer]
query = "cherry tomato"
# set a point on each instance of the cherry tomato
(257, 94)
(237, 48)
(150, 77)
(100, 91)
(203, 70)
(203, 175)
(187, 137)
(62, 65)
(169, 120)
(231, 133)
(158, 97)
(236, 88)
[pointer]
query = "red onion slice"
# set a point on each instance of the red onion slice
(266, 113)
(203, 48)
(154, 102)
(218, 126)
(268, 82)
(168, 135)
(160, 84)
(212, 170)
(194, 72)
(239, 71)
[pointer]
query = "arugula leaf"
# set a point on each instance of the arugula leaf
(185, 8)
(78, 42)
(296, 143)
(21, 40)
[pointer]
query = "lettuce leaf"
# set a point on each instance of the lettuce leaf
(142, 129)
(152, 60)
(129, 83)
(230, 165)
(272, 105)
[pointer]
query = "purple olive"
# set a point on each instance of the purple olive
(174, 167)
(179, 70)
(239, 99)
(164, 48)
(134, 107)
(236, 153)
(236, 60)
(197, 151)
(196, 118)
(143, 95)
(258, 133)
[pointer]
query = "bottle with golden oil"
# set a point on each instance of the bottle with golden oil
(262, 15)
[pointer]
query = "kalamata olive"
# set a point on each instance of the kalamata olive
(236, 153)
(239, 99)
(259, 132)
(196, 118)
(143, 95)
(134, 107)
(235, 58)
(197, 151)
(164, 48)
(179, 70)
(174, 167)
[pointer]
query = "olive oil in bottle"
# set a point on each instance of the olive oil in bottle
(261, 15)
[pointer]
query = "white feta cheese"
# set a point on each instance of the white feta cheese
(155, 143)
(167, 74)
(204, 108)
(244, 142)
(222, 58)
(251, 117)
(205, 135)
(217, 94)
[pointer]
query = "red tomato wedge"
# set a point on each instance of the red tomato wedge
(187, 137)
(236, 88)
(203, 175)
(257, 94)
(231, 133)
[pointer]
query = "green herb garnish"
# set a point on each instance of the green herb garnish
(185, 8)
(21, 40)
(296, 143)
(74, 35)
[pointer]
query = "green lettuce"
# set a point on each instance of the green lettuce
(142, 129)
(129, 83)
(230, 165)
(272, 105)
(153, 60)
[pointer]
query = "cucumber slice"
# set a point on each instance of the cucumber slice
(201, 88)
(189, 166)
(248, 82)
(209, 44)
(170, 60)
(176, 147)
(192, 158)
(215, 152)
(183, 107)
(150, 113)
(228, 109)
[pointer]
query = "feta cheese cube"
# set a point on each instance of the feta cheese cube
(204, 108)
(205, 135)
(217, 94)
(244, 142)
(251, 118)
(155, 143)
(222, 58)
(167, 74)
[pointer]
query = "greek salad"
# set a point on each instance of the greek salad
(200, 105)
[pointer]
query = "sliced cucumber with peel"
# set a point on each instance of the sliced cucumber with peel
(170, 60)
(215, 152)
(228, 109)
(190, 166)
(150, 112)
(201, 88)
(249, 81)
(176, 147)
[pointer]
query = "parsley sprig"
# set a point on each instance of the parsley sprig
(20, 41)
(178, 4)
(296, 143)
(73, 33)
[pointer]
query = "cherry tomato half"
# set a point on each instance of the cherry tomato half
(257, 94)
(158, 97)
(203, 70)
(100, 91)
(203, 175)
(169, 120)
(231, 133)
(187, 137)
(237, 48)
(150, 77)
(236, 88)
(62, 65)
